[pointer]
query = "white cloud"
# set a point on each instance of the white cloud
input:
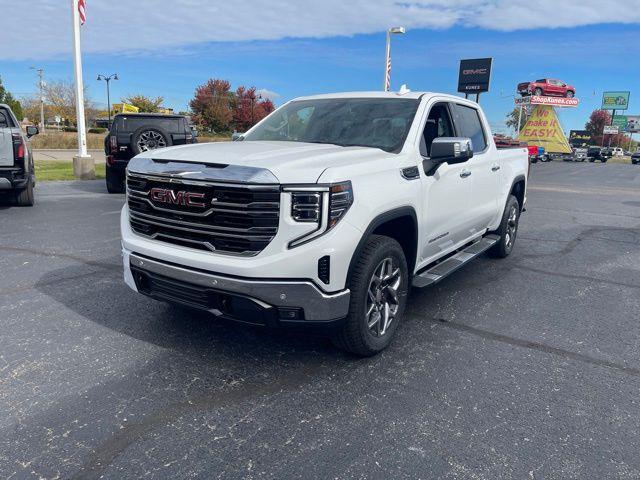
(265, 93)
(161, 25)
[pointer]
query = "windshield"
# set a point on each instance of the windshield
(367, 122)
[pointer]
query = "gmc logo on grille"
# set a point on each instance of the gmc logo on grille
(184, 198)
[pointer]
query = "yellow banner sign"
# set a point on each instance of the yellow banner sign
(543, 130)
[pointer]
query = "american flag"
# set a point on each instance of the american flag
(82, 11)
(388, 76)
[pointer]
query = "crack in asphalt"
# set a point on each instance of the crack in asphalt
(541, 347)
(577, 277)
(105, 454)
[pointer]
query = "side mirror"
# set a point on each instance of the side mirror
(32, 130)
(451, 150)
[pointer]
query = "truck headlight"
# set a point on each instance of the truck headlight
(323, 205)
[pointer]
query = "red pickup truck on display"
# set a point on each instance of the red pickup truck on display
(546, 87)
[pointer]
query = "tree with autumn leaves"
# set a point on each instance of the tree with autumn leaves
(597, 121)
(216, 108)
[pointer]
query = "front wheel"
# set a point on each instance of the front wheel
(379, 284)
(538, 92)
(508, 229)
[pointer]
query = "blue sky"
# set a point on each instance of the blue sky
(165, 59)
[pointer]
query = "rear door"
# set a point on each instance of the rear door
(483, 166)
(6, 139)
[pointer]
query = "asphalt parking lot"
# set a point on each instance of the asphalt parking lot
(524, 368)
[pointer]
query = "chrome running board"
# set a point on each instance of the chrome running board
(445, 268)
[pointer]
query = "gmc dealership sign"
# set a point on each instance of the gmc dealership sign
(475, 75)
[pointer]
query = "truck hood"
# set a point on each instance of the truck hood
(289, 162)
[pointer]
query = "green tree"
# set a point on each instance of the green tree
(512, 119)
(144, 103)
(14, 104)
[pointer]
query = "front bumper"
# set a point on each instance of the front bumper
(263, 301)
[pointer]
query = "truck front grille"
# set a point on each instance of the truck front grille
(222, 217)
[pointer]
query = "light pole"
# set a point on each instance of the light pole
(387, 62)
(41, 86)
(253, 102)
(108, 79)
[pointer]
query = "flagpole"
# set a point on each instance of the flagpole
(83, 166)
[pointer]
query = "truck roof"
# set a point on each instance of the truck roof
(374, 94)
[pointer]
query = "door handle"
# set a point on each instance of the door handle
(465, 173)
(495, 168)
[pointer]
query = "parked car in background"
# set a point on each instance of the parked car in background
(547, 87)
(606, 153)
(617, 152)
(595, 153)
(324, 214)
(579, 154)
(635, 158)
(17, 172)
(134, 133)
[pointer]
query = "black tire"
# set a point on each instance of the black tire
(114, 180)
(570, 94)
(25, 196)
(161, 139)
(592, 160)
(508, 229)
(538, 92)
(360, 334)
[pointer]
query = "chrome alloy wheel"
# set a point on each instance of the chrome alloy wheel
(382, 297)
(150, 140)
(512, 226)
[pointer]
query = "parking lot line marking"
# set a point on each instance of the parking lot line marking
(541, 347)
(586, 190)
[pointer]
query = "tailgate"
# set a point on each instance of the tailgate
(6, 148)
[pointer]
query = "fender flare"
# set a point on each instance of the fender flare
(517, 179)
(380, 220)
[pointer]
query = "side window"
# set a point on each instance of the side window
(467, 120)
(438, 125)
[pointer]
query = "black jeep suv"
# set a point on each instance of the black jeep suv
(133, 133)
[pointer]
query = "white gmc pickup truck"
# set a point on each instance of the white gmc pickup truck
(324, 213)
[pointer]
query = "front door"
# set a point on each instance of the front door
(446, 192)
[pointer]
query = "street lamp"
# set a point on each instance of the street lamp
(41, 85)
(108, 79)
(387, 63)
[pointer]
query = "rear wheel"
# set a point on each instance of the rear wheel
(25, 196)
(508, 229)
(378, 283)
(570, 94)
(115, 182)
